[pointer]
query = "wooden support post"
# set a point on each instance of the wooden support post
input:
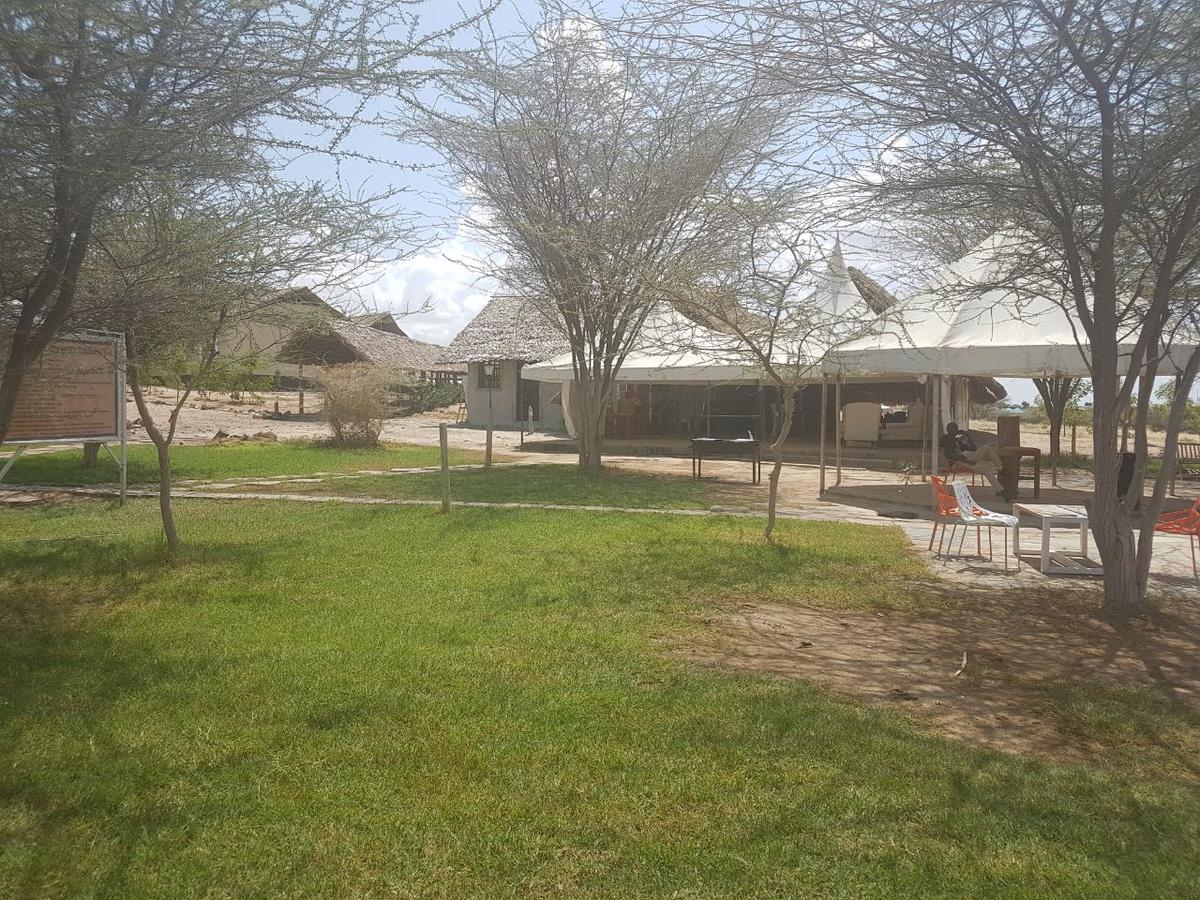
(487, 451)
(837, 428)
(444, 440)
(300, 383)
(824, 417)
(925, 432)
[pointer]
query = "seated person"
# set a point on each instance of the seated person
(958, 446)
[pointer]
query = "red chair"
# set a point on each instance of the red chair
(945, 509)
(1183, 521)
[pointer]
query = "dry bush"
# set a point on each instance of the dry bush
(355, 402)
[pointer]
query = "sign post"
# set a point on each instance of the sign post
(75, 392)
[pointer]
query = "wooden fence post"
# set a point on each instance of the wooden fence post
(444, 440)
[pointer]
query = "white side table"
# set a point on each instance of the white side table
(1056, 562)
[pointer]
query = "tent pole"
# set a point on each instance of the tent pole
(837, 432)
(824, 410)
(935, 418)
(925, 432)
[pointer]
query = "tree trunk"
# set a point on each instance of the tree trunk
(787, 393)
(91, 452)
(162, 446)
(1056, 394)
(590, 427)
(165, 509)
(10, 381)
(39, 320)
(1109, 518)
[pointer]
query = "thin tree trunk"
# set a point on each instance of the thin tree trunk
(162, 447)
(785, 426)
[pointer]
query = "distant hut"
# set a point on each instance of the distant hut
(376, 340)
(506, 335)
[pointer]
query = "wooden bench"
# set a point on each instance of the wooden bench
(1187, 463)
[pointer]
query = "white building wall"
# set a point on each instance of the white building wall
(502, 399)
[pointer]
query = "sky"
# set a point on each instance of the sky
(440, 287)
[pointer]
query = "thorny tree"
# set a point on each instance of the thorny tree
(778, 313)
(179, 269)
(100, 97)
(592, 168)
(1058, 393)
(1076, 124)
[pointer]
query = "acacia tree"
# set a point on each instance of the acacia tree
(594, 171)
(183, 266)
(100, 97)
(1058, 393)
(1075, 124)
(774, 313)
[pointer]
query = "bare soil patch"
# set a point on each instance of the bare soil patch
(1023, 653)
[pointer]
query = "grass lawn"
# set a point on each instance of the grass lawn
(216, 461)
(542, 483)
(351, 701)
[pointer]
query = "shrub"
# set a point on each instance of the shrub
(356, 402)
(436, 396)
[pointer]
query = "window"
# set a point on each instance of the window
(489, 376)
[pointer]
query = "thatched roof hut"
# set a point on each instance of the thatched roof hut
(507, 328)
(348, 341)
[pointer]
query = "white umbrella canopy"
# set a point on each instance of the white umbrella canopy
(968, 320)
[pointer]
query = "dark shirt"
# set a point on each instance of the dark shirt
(953, 446)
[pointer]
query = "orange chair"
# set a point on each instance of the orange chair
(945, 510)
(1183, 521)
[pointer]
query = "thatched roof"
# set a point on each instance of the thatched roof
(877, 297)
(343, 340)
(507, 328)
(383, 321)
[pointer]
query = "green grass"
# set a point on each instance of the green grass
(216, 461)
(342, 700)
(543, 483)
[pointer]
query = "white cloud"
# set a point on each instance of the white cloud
(437, 291)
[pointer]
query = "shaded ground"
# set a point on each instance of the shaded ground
(1035, 665)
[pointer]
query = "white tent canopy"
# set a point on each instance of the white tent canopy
(960, 324)
(970, 320)
(673, 349)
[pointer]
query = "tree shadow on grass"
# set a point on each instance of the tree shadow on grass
(72, 763)
(44, 584)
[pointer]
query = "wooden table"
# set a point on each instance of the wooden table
(1056, 562)
(1010, 474)
(716, 448)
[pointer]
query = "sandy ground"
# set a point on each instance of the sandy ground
(204, 416)
(977, 671)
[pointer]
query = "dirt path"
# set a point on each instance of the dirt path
(1020, 648)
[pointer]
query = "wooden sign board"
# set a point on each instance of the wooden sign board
(74, 392)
